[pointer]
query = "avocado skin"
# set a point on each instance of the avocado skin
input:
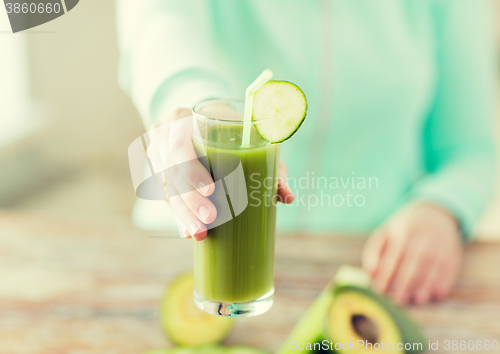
(409, 331)
(322, 351)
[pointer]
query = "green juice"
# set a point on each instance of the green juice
(235, 262)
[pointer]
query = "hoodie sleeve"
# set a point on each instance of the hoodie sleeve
(167, 59)
(458, 141)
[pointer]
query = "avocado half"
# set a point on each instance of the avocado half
(348, 310)
(183, 322)
(370, 322)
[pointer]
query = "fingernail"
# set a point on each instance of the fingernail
(205, 213)
(185, 234)
(193, 228)
(203, 188)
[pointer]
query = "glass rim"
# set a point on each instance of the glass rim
(213, 101)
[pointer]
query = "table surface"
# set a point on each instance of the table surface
(68, 287)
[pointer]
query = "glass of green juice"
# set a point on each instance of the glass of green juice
(234, 264)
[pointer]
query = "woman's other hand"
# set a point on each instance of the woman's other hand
(416, 255)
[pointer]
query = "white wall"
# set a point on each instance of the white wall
(74, 73)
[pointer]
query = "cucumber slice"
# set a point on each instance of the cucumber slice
(244, 350)
(279, 108)
(184, 323)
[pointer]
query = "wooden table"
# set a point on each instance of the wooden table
(68, 287)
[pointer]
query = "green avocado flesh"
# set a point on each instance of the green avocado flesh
(184, 323)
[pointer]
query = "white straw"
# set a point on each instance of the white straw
(247, 117)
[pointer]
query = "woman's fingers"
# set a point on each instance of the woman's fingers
(437, 284)
(423, 293)
(446, 267)
(418, 261)
(186, 180)
(190, 224)
(183, 154)
(201, 206)
(285, 194)
(449, 268)
(190, 178)
(372, 251)
(391, 257)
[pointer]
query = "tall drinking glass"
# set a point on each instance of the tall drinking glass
(234, 264)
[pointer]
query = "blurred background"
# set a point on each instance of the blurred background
(65, 124)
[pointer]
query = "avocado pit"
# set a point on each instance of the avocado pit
(365, 328)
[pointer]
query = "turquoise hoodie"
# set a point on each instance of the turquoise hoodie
(400, 94)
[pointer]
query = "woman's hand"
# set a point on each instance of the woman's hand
(187, 183)
(416, 256)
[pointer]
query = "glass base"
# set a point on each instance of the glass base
(235, 309)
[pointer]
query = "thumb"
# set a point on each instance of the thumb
(285, 194)
(179, 113)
